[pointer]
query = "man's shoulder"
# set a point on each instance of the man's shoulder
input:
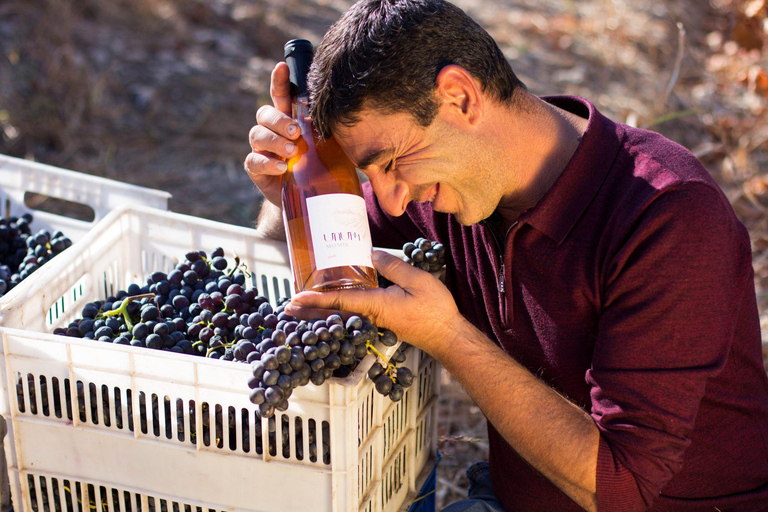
(658, 160)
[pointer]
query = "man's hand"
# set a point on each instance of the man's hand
(418, 307)
(272, 138)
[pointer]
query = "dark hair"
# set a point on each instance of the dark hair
(386, 55)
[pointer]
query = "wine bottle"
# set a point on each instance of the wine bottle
(326, 225)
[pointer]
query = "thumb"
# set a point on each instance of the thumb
(310, 304)
(394, 268)
(280, 88)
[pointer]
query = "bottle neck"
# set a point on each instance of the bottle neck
(301, 110)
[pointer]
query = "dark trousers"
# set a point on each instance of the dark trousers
(480, 495)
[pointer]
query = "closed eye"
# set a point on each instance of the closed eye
(389, 166)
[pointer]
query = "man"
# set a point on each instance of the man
(599, 304)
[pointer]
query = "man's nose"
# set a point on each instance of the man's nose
(392, 194)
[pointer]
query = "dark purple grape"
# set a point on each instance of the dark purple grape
(154, 341)
(332, 361)
(284, 382)
(235, 289)
(218, 298)
(140, 331)
(162, 329)
(274, 394)
(310, 352)
(323, 349)
(266, 309)
(297, 360)
(220, 320)
(219, 263)
(255, 320)
(383, 384)
(396, 393)
(180, 302)
(283, 354)
(231, 302)
(317, 378)
(257, 368)
(257, 395)
(346, 349)
(149, 312)
(266, 410)
(317, 364)
(336, 331)
(404, 377)
(270, 321)
(206, 333)
(279, 337)
(293, 340)
(167, 311)
(90, 310)
(354, 323)
(361, 351)
(206, 301)
(309, 338)
(323, 334)
(269, 361)
(388, 338)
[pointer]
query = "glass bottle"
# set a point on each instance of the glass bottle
(326, 225)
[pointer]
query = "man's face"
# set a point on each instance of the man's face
(406, 162)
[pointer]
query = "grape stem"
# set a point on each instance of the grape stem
(238, 265)
(390, 367)
(123, 309)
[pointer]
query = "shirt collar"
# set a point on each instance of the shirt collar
(568, 198)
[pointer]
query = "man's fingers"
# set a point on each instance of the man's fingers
(314, 304)
(309, 314)
(277, 122)
(305, 301)
(280, 88)
(262, 139)
(257, 166)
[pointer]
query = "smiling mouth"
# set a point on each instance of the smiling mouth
(433, 195)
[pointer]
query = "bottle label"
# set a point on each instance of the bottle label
(341, 235)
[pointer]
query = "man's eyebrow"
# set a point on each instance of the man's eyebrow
(373, 156)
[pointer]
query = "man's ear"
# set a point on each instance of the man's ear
(461, 94)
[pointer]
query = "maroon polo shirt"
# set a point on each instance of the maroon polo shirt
(629, 289)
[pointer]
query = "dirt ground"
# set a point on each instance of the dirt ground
(162, 93)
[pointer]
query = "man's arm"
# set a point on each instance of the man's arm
(556, 437)
(270, 222)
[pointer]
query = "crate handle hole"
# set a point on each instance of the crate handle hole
(63, 207)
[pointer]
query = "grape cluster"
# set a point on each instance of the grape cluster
(425, 254)
(22, 252)
(198, 308)
(299, 351)
(421, 253)
(390, 380)
(203, 307)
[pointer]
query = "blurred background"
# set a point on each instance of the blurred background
(162, 93)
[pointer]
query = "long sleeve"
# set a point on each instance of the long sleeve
(671, 291)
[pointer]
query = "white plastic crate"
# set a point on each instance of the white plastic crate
(19, 177)
(119, 428)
